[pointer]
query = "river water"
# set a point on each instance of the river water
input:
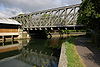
(31, 53)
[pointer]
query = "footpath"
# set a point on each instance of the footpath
(89, 54)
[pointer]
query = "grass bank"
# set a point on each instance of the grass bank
(73, 58)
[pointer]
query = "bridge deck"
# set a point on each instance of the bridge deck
(56, 26)
(70, 27)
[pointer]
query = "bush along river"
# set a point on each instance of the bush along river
(31, 53)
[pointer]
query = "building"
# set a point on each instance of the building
(9, 28)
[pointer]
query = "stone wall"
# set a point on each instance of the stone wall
(63, 57)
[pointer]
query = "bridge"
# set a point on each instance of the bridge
(56, 18)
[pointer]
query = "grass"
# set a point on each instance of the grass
(73, 58)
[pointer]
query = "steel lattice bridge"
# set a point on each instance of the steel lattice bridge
(56, 18)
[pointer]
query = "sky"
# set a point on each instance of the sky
(10, 8)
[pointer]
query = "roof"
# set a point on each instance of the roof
(9, 21)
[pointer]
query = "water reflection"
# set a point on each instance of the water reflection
(34, 52)
(11, 48)
(37, 59)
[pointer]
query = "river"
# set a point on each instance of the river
(31, 52)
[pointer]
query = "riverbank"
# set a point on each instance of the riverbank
(73, 58)
(81, 52)
(69, 34)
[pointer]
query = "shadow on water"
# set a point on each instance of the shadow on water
(35, 53)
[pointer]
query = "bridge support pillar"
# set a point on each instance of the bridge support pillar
(23, 34)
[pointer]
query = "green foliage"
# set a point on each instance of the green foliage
(89, 14)
(46, 15)
(73, 58)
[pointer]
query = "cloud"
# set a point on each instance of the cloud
(71, 2)
(10, 12)
(31, 5)
(13, 7)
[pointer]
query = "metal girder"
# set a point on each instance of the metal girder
(61, 16)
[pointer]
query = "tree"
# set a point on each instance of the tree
(89, 14)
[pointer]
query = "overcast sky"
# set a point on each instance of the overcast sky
(10, 8)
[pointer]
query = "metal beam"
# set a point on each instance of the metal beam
(62, 16)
